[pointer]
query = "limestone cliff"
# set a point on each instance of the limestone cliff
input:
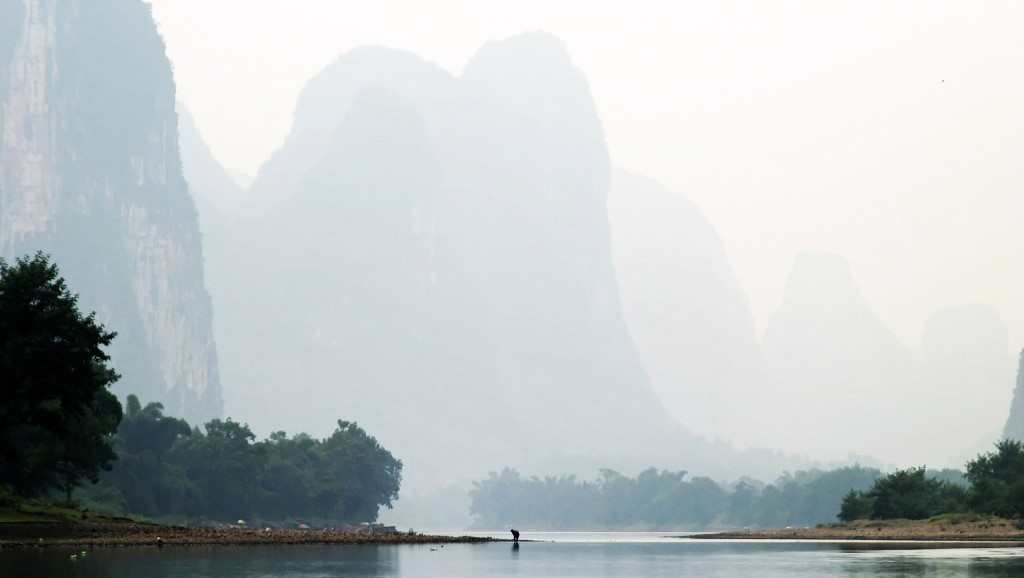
(684, 306)
(826, 347)
(90, 172)
(1015, 424)
(430, 255)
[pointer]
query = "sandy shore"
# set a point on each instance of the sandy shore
(50, 534)
(953, 528)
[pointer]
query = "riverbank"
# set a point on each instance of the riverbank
(19, 529)
(950, 527)
(127, 534)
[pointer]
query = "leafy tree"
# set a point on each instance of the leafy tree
(148, 429)
(857, 505)
(708, 502)
(57, 415)
(742, 503)
(771, 508)
(906, 494)
(226, 466)
(168, 469)
(89, 449)
(144, 481)
(290, 477)
(367, 474)
(997, 480)
(912, 494)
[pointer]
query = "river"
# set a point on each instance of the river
(577, 555)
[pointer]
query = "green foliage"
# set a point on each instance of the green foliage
(660, 499)
(147, 429)
(997, 481)
(224, 465)
(57, 416)
(911, 494)
(167, 469)
(810, 497)
(366, 475)
(144, 481)
(857, 505)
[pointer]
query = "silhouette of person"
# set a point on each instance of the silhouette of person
(515, 535)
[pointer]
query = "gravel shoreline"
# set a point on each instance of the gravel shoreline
(991, 530)
(50, 534)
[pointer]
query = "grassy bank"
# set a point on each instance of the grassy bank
(964, 527)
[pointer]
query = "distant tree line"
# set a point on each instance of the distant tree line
(993, 484)
(663, 499)
(60, 426)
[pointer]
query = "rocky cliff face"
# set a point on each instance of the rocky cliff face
(90, 172)
(1015, 424)
(216, 195)
(684, 307)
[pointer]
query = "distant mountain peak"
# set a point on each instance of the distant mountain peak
(444, 249)
(820, 282)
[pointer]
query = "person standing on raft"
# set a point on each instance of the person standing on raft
(515, 535)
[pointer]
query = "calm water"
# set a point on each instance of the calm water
(570, 555)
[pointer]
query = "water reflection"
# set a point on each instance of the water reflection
(579, 560)
(222, 562)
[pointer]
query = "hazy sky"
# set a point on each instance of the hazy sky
(889, 132)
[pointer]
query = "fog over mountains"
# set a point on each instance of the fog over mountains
(968, 377)
(431, 255)
(827, 348)
(1015, 423)
(214, 192)
(455, 263)
(685, 309)
(90, 172)
(466, 224)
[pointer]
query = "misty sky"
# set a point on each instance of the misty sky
(890, 133)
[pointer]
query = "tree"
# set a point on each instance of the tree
(144, 481)
(89, 449)
(367, 475)
(225, 466)
(856, 505)
(914, 495)
(742, 502)
(148, 429)
(290, 476)
(57, 415)
(997, 480)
